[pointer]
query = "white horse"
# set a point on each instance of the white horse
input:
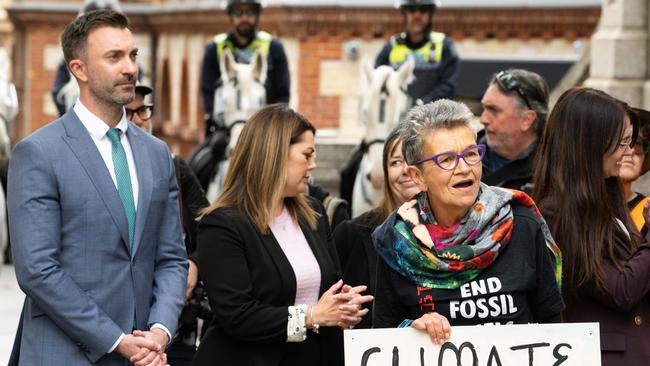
(240, 95)
(383, 105)
(69, 93)
(8, 111)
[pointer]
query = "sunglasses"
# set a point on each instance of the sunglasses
(449, 160)
(418, 8)
(248, 11)
(145, 112)
(508, 82)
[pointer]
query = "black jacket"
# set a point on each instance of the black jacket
(192, 200)
(518, 287)
(278, 82)
(516, 174)
(250, 284)
(433, 80)
(358, 256)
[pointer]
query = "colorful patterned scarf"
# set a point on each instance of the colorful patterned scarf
(434, 256)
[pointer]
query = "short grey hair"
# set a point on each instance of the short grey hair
(420, 120)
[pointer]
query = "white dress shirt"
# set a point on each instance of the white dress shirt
(97, 130)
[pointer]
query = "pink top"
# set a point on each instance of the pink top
(304, 264)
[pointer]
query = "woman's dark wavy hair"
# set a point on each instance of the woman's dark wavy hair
(585, 125)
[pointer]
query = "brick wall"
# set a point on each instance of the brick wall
(39, 76)
(319, 32)
(323, 111)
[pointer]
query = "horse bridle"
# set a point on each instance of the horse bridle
(384, 94)
(365, 146)
(235, 82)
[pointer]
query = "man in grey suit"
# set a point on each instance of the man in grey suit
(94, 218)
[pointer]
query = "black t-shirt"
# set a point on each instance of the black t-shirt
(519, 287)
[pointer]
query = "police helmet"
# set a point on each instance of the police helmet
(402, 3)
(259, 4)
(90, 5)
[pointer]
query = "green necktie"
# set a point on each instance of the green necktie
(123, 177)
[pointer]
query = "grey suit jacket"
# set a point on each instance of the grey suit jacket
(69, 239)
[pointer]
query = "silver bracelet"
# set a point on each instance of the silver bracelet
(314, 325)
(296, 324)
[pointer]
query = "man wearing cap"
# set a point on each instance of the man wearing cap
(436, 58)
(243, 40)
(191, 200)
(515, 106)
(137, 111)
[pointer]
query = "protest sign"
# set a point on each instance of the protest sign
(484, 345)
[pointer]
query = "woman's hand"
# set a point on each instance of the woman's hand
(353, 306)
(436, 325)
(339, 309)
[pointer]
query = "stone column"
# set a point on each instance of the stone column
(619, 51)
(620, 58)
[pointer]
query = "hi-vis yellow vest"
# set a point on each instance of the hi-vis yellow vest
(262, 42)
(400, 51)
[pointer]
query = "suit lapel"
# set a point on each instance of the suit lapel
(143, 167)
(83, 147)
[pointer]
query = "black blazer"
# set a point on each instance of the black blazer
(250, 284)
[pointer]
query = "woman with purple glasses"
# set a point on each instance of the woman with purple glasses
(461, 252)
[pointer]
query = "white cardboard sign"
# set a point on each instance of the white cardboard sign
(569, 344)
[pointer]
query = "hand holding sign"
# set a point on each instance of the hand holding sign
(436, 325)
(568, 344)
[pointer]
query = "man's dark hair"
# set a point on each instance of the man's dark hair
(75, 34)
(536, 91)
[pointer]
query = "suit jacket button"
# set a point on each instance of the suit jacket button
(638, 320)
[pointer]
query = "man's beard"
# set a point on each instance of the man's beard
(246, 30)
(113, 95)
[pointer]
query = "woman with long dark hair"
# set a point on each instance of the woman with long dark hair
(606, 262)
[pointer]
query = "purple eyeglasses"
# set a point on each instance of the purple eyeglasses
(449, 160)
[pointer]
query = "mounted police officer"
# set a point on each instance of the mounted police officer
(243, 40)
(435, 55)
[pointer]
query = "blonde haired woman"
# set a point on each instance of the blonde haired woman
(266, 255)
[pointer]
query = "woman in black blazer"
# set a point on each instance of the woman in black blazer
(255, 246)
(353, 240)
